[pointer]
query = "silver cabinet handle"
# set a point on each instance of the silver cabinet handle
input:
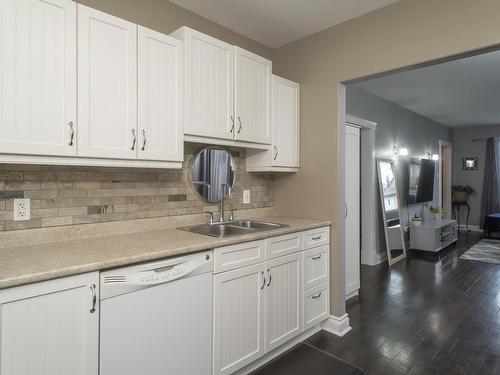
(71, 133)
(276, 150)
(317, 295)
(263, 280)
(143, 139)
(94, 298)
(232, 126)
(316, 238)
(316, 257)
(241, 124)
(134, 139)
(270, 277)
(345, 211)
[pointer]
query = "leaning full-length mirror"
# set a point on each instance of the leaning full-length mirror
(391, 213)
(212, 173)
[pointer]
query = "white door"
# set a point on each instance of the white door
(283, 299)
(352, 201)
(107, 85)
(209, 65)
(49, 328)
(37, 77)
(252, 97)
(160, 96)
(238, 318)
(285, 120)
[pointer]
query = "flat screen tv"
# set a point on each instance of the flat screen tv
(421, 184)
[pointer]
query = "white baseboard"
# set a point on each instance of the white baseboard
(278, 351)
(372, 258)
(337, 325)
(472, 228)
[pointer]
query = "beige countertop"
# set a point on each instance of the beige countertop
(27, 264)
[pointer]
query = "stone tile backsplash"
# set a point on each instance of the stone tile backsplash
(63, 195)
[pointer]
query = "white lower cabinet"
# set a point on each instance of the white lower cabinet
(259, 307)
(283, 300)
(316, 305)
(238, 318)
(50, 327)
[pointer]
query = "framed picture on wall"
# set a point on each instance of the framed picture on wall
(470, 163)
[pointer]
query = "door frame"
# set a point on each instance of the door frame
(442, 146)
(368, 183)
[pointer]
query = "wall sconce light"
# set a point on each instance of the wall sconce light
(432, 156)
(400, 150)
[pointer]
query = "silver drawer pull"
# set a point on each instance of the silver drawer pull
(316, 257)
(263, 280)
(94, 298)
(270, 277)
(316, 238)
(316, 295)
(71, 133)
(276, 150)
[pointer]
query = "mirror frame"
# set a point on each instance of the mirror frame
(390, 259)
(190, 173)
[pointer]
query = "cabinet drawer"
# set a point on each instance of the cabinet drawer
(239, 255)
(316, 305)
(283, 245)
(316, 237)
(316, 266)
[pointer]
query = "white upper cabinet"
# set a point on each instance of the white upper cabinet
(107, 86)
(209, 85)
(252, 104)
(37, 77)
(284, 153)
(160, 96)
(51, 327)
(285, 117)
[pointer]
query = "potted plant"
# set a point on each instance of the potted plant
(438, 212)
(461, 192)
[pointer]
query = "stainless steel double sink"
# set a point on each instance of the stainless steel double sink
(232, 228)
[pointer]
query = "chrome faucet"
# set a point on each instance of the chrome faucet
(225, 189)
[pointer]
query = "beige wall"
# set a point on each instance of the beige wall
(165, 17)
(400, 35)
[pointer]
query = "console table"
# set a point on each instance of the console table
(433, 235)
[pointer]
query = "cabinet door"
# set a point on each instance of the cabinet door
(238, 318)
(37, 76)
(285, 120)
(107, 85)
(48, 327)
(160, 96)
(252, 104)
(209, 65)
(283, 299)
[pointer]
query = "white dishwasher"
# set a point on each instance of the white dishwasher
(156, 318)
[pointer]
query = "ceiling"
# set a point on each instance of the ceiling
(277, 22)
(460, 93)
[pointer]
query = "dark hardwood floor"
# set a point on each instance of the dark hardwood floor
(426, 315)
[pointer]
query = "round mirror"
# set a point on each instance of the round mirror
(212, 173)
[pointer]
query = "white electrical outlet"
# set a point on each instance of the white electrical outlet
(246, 196)
(22, 209)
